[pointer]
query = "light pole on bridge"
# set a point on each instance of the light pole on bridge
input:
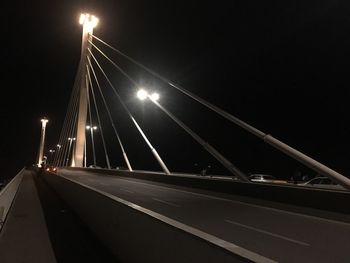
(92, 128)
(51, 155)
(69, 147)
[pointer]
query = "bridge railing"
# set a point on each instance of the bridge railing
(7, 195)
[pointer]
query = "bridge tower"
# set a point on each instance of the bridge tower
(42, 141)
(88, 22)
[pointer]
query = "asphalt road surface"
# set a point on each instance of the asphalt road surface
(276, 234)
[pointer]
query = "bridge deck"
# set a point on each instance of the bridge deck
(280, 235)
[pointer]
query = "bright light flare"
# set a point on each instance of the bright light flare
(94, 21)
(142, 94)
(89, 20)
(82, 19)
(154, 96)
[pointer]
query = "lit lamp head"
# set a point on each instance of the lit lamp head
(142, 94)
(44, 121)
(89, 21)
(154, 96)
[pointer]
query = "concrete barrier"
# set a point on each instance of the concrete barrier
(136, 234)
(322, 199)
(7, 195)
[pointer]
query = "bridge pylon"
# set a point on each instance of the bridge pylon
(88, 22)
(44, 121)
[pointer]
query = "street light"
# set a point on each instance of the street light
(142, 94)
(51, 153)
(57, 154)
(154, 96)
(70, 145)
(92, 128)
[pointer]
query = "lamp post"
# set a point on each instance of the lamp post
(85, 154)
(44, 121)
(142, 95)
(92, 128)
(51, 153)
(218, 156)
(57, 155)
(69, 147)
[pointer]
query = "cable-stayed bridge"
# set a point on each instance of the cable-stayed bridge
(142, 216)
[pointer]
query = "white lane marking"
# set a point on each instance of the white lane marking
(165, 202)
(243, 203)
(102, 183)
(126, 190)
(268, 233)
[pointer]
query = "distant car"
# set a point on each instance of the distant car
(51, 169)
(322, 182)
(94, 166)
(262, 178)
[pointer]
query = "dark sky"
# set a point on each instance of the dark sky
(281, 66)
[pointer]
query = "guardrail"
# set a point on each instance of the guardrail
(7, 195)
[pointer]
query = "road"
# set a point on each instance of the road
(276, 234)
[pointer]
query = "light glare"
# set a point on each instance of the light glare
(142, 94)
(88, 20)
(94, 21)
(82, 19)
(154, 96)
(88, 127)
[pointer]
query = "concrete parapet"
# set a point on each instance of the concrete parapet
(7, 195)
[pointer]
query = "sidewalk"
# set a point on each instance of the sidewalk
(24, 237)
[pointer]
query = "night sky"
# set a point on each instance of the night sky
(283, 67)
